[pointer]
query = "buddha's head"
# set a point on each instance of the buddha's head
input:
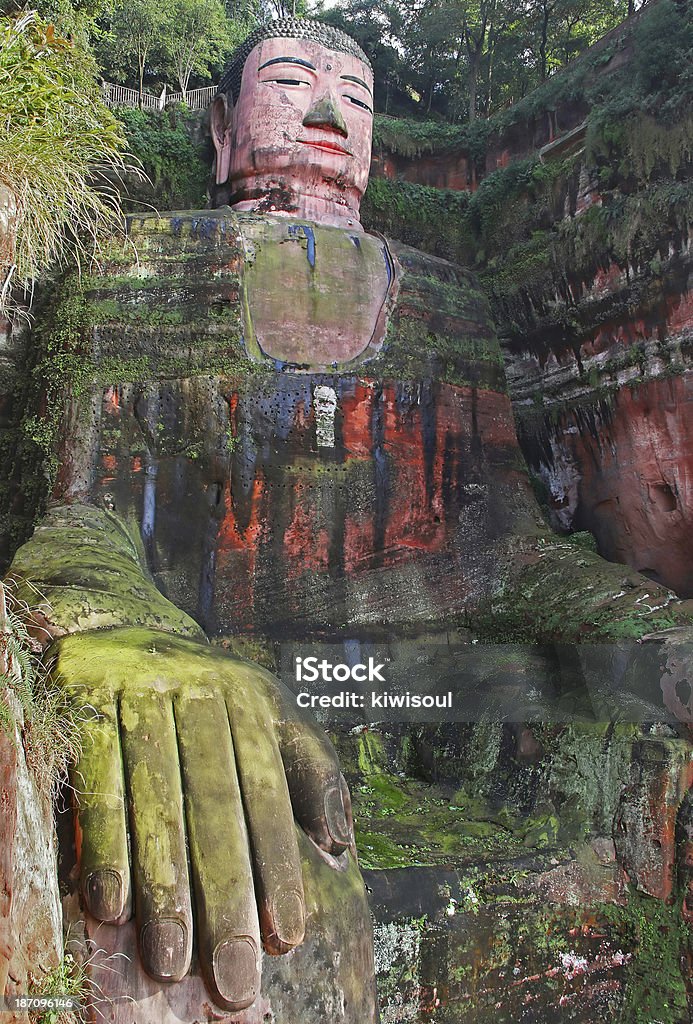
(292, 123)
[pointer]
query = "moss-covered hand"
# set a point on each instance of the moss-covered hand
(194, 754)
(196, 766)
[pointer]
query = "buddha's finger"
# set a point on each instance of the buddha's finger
(159, 862)
(270, 820)
(316, 785)
(101, 819)
(228, 931)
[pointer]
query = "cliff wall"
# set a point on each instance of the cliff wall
(574, 207)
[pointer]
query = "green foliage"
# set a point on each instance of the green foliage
(655, 989)
(407, 137)
(198, 34)
(69, 978)
(426, 218)
(520, 230)
(657, 81)
(149, 43)
(180, 38)
(176, 166)
(465, 227)
(138, 32)
(49, 721)
(461, 60)
(58, 146)
(65, 371)
(583, 539)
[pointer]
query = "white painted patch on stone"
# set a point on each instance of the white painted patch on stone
(325, 407)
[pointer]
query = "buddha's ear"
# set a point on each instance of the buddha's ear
(220, 123)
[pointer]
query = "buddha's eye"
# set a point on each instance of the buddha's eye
(358, 103)
(288, 81)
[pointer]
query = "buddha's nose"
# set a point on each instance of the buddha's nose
(325, 113)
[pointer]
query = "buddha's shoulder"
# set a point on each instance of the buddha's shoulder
(437, 285)
(194, 283)
(225, 229)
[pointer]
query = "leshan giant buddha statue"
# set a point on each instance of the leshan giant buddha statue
(320, 445)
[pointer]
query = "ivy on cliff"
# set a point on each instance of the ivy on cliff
(176, 165)
(527, 229)
(427, 218)
(407, 137)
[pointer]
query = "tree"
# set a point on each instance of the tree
(463, 27)
(138, 30)
(284, 8)
(59, 146)
(464, 58)
(198, 32)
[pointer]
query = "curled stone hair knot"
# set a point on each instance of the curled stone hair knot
(287, 28)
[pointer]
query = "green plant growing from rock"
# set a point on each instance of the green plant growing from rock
(49, 722)
(60, 148)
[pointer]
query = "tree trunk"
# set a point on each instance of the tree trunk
(544, 40)
(492, 39)
(474, 61)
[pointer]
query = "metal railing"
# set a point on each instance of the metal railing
(120, 96)
(196, 99)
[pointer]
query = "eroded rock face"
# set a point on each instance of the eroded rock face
(625, 474)
(646, 820)
(615, 455)
(381, 493)
(635, 479)
(309, 498)
(605, 423)
(30, 914)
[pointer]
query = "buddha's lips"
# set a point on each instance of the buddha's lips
(329, 147)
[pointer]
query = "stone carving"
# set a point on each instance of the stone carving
(292, 124)
(324, 420)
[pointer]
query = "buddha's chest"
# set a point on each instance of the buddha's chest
(313, 297)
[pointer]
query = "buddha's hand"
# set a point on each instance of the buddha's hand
(193, 768)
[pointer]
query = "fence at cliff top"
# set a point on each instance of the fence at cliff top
(120, 96)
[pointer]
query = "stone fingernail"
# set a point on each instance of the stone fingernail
(164, 947)
(288, 918)
(237, 971)
(105, 894)
(346, 800)
(335, 816)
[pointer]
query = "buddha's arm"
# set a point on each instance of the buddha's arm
(84, 569)
(194, 764)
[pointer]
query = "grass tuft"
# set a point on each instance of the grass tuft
(49, 720)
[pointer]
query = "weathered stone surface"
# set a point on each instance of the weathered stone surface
(30, 915)
(308, 498)
(624, 473)
(446, 952)
(294, 135)
(645, 832)
(302, 323)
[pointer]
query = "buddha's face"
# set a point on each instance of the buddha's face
(302, 126)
